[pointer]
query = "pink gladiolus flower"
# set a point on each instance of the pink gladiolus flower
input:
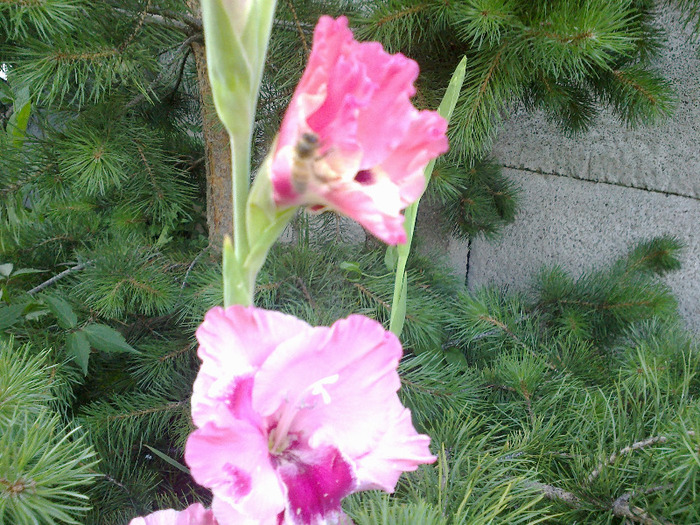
(293, 418)
(193, 515)
(351, 140)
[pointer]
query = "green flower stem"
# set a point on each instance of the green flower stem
(240, 158)
(398, 303)
(237, 35)
(237, 289)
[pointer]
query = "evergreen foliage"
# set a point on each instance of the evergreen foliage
(531, 399)
(560, 426)
(45, 466)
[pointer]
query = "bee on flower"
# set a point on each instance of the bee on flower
(353, 106)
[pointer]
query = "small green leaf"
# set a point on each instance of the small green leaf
(350, 266)
(26, 271)
(9, 315)
(107, 339)
(62, 310)
(78, 347)
(6, 269)
(6, 95)
(168, 459)
(391, 258)
(455, 356)
(353, 270)
(449, 100)
(17, 123)
(35, 312)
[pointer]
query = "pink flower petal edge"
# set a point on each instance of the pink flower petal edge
(193, 515)
(293, 418)
(371, 144)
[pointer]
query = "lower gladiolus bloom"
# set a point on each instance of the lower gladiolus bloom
(193, 515)
(293, 418)
(351, 140)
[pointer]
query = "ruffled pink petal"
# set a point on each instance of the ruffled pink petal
(376, 207)
(227, 515)
(193, 515)
(161, 517)
(232, 344)
(330, 38)
(341, 385)
(424, 141)
(234, 463)
(399, 449)
(383, 124)
(337, 376)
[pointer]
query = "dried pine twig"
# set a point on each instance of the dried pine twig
(621, 507)
(59, 276)
(627, 450)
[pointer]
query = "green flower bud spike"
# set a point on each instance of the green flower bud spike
(398, 256)
(236, 37)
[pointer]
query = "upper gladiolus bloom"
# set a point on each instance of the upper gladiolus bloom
(351, 140)
(293, 418)
(193, 515)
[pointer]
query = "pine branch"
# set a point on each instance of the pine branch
(190, 24)
(621, 507)
(139, 24)
(194, 22)
(138, 413)
(192, 265)
(402, 13)
(555, 493)
(302, 37)
(185, 45)
(629, 449)
(59, 276)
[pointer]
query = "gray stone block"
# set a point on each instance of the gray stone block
(582, 225)
(663, 157)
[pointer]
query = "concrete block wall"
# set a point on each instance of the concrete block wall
(586, 200)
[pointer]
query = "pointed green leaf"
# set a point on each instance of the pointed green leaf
(6, 96)
(354, 272)
(455, 356)
(107, 339)
(35, 312)
(449, 100)
(62, 310)
(26, 271)
(398, 312)
(169, 460)
(9, 315)
(78, 347)
(17, 123)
